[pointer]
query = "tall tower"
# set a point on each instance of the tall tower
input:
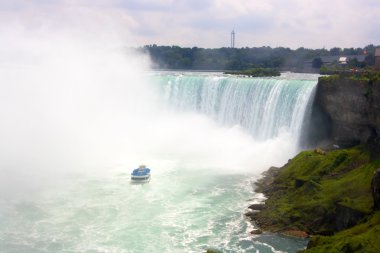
(233, 39)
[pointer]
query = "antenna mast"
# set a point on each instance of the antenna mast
(233, 39)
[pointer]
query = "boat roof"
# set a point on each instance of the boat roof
(141, 171)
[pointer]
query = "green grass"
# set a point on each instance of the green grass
(255, 72)
(364, 75)
(338, 177)
(361, 238)
(329, 78)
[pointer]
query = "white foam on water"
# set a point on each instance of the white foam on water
(77, 114)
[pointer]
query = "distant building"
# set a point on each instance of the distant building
(377, 59)
(343, 60)
(332, 60)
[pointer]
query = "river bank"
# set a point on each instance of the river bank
(325, 195)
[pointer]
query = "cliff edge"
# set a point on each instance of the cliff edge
(346, 111)
(331, 194)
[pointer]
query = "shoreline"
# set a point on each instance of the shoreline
(323, 196)
(262, 185)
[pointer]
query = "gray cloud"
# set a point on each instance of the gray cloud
(208, 23)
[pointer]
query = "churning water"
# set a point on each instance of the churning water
(75, 121)
(262, 106)
(178, 211)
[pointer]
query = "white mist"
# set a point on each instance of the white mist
(81, 110)
(69, 104)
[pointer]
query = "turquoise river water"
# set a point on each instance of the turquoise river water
(205, 136)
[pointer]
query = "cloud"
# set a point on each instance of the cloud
(292, 23)
(208, 23)
(237, 8)
(98, 20)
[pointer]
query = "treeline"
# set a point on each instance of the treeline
(256, 72)
(175, 57)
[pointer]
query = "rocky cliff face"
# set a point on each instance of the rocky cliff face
(375, 187)
(346, 112)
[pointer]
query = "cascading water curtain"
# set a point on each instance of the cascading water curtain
(264, 106)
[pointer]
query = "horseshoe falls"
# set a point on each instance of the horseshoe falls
(262, 106)
(74, 128)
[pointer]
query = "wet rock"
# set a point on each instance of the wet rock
(375, 186)
(346, 217)
(264, 183)
(257, 207)
(345, 111)
(256, 232)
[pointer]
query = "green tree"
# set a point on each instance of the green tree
(317, 62)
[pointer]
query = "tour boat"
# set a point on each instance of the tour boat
(141, 174)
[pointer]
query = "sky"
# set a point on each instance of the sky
(208, 23)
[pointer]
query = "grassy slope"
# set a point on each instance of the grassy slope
(305, 193)
(361, 238)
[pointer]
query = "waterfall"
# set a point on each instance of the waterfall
(263, 106)
(77, 115)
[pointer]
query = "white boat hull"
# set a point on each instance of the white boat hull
(140, 179)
